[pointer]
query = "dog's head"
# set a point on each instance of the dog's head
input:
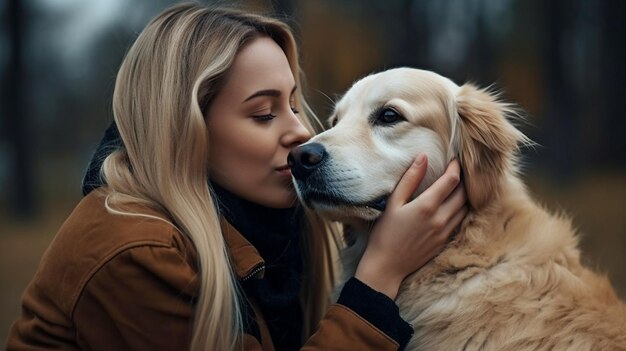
(380, 125)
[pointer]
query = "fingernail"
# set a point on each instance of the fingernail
(420, 159)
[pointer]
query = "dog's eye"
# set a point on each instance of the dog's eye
(388, 116)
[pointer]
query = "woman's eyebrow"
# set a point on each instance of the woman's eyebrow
(268, 92)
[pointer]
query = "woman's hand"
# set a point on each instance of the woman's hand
(411, 232)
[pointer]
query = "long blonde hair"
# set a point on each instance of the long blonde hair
(165, 84)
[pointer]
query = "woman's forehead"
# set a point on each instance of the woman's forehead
(260, 65)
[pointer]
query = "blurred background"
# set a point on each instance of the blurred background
(562, 61)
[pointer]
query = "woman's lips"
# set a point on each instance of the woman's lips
(284, 170)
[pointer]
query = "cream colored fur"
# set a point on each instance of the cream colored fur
(512, 278)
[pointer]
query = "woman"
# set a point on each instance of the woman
(159, 258)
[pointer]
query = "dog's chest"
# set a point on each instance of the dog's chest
(463, 299)
(476, 308)
(434, 308)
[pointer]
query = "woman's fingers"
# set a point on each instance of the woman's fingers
(409, 182)
(454, 202)
(454, 223)
(442, 187)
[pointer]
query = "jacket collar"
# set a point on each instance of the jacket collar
(246, 260)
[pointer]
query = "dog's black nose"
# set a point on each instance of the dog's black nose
(304, 159)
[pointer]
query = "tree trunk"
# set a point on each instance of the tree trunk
(21, 197)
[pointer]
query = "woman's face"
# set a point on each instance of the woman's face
(253, 125)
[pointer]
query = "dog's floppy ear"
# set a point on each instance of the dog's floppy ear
(488, 142)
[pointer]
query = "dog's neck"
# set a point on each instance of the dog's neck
(474, 232)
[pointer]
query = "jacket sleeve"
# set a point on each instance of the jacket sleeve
(362, 319)
(142, 299)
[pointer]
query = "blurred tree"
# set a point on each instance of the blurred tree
(613, 73)
(563, 126)
(21, 198)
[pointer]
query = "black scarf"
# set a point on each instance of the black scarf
(275, 233)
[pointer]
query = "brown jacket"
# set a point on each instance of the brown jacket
(111, 282)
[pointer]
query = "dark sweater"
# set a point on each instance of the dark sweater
(276, 234)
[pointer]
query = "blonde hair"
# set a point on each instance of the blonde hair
(164, 86)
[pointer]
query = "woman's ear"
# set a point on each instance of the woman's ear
(488, 142)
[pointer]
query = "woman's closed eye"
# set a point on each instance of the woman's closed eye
(264, 118)
(270, 116)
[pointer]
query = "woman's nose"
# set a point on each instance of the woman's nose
(296, 133)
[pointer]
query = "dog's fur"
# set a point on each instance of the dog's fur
(511, 279)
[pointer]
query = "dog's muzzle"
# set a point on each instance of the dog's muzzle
(307, 163)
(304, 159)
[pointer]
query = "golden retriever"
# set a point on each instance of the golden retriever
(511, 279)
